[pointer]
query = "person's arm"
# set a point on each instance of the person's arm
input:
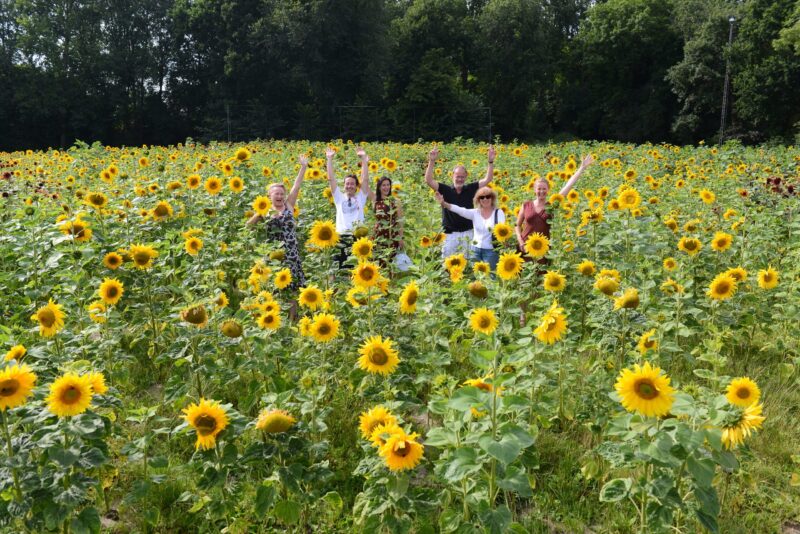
(518, 226)
(588, 160)
(256, 218)
(501, 216)
(365, 185)
(329, 154)
(490, 155)
(432, 183)
(298, 181)
(464, 212)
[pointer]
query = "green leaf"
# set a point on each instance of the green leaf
(615, 490)
(463, 464)
(265, 496)
(287, 511)
(708, 511)
(465, 398)
(512, 440)
(94, 457)
(63, 457)
(496, 521)
(438, 437)
(334, 504)
(87, 522)
(516, 480)
(702, 470)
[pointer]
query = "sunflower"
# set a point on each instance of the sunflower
(722, 287)
(323, 234)
(408, 298)
(195, 315)
(629, 299)
(50, 318)
(98, 382)
(208, 419)
(365, 274)
(310, 297)
(629, 198)
(478, 290)
(162, 210)
(283, 278)
(242, 154)
(456, 261)
(324, 327)
(370, 420)
(721, 241)
(231, 328)
(261, 205)
(670, 287)
(96, 200)
(767, 278)
(647, 342)
(510, 265)
(304, 326)
(213, 185)
(425, 241)
(748, 421)
(669, 264)
(554, 281)
(690, 245)
(587, 268)
(236, 184)
(378, 356)
(381, 433)
(193, 181)
(644, 389)
(743, 392)
(737, 273)
(401, 452)
(111, 291)
(672, 224)
(142, 256)
(502, 232)
(481, 267)
(275, 421)
(707, 196)
(362, 249)
(17, 352)
(70, 395)
(96, 310)
(269, 321)
(438, 239)
(112, 260)
(483, 320)
(606, 285)
(537, 245)
(16, 385)
(553, 325)
(193, 245)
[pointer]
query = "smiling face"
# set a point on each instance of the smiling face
(350, 186)
(386, 187)
(541, 188)
(277, 194)
(459, 176)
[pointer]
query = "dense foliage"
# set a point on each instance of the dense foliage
(154, 378)
(159, 71)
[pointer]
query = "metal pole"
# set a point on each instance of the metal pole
(731, 21)
(228, 119)
(490, 125)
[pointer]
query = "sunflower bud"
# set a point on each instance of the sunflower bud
(361, 231)
(277, 255)
(231, 329)
(477, 289)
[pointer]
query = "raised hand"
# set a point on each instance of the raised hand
(302, 159)
(491, 154)
(330, 153)
(588, 160)
(433, 155)
(362, 155)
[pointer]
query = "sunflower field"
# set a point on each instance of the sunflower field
(161, 376)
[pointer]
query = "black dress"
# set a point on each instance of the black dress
(283, 228)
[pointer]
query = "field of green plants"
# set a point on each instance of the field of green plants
(156, 378)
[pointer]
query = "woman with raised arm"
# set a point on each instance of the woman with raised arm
(388, 230)
(281, 224)
(483, 217)
(533, 215)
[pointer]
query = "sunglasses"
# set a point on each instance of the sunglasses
(484, 197)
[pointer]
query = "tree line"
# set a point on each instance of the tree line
(159, 71)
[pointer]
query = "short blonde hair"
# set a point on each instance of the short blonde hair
(484, 191)
(275, 184)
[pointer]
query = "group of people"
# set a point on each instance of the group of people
(469, 212)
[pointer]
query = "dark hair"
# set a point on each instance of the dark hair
(378, 196)
(354, 177)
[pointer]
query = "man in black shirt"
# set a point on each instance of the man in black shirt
(457, 229)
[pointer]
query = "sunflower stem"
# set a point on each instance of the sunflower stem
(17, 489)
(493, 469)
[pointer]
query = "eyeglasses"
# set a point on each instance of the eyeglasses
(484, 197)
